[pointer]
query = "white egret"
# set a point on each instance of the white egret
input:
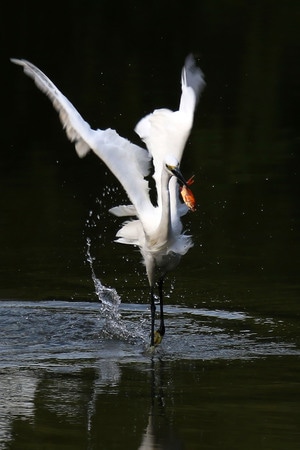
(156, 229)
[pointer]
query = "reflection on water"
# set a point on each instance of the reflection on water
(17, 392)
(159, 433)
(65, 366)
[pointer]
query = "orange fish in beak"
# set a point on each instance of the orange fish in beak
(187, 195)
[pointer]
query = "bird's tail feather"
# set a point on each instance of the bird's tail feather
(130, 233)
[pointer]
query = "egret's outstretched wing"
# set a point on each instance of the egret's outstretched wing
(165, 131)
(72, 121)
(121, 156)
(192, 84)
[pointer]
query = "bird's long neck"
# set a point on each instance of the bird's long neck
(165, 221)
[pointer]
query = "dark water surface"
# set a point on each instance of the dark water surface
(75, 372)
(74, 375)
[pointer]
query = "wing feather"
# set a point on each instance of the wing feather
(120, 155)
(165, 131)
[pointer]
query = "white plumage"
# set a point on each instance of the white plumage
(156, 229)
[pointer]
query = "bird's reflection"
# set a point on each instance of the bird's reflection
(97, 400)
(159, 433)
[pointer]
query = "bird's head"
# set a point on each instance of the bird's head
(172, 167)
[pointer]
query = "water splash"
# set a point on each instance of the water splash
(108, 297)
(110, 303)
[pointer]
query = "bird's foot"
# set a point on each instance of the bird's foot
(158, 336)
(150, 350)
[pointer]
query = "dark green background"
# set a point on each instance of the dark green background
(228, 373)
(117, 61)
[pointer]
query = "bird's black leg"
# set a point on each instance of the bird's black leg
(152, 316)
(161, 329)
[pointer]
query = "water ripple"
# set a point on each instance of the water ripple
(35, 334)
